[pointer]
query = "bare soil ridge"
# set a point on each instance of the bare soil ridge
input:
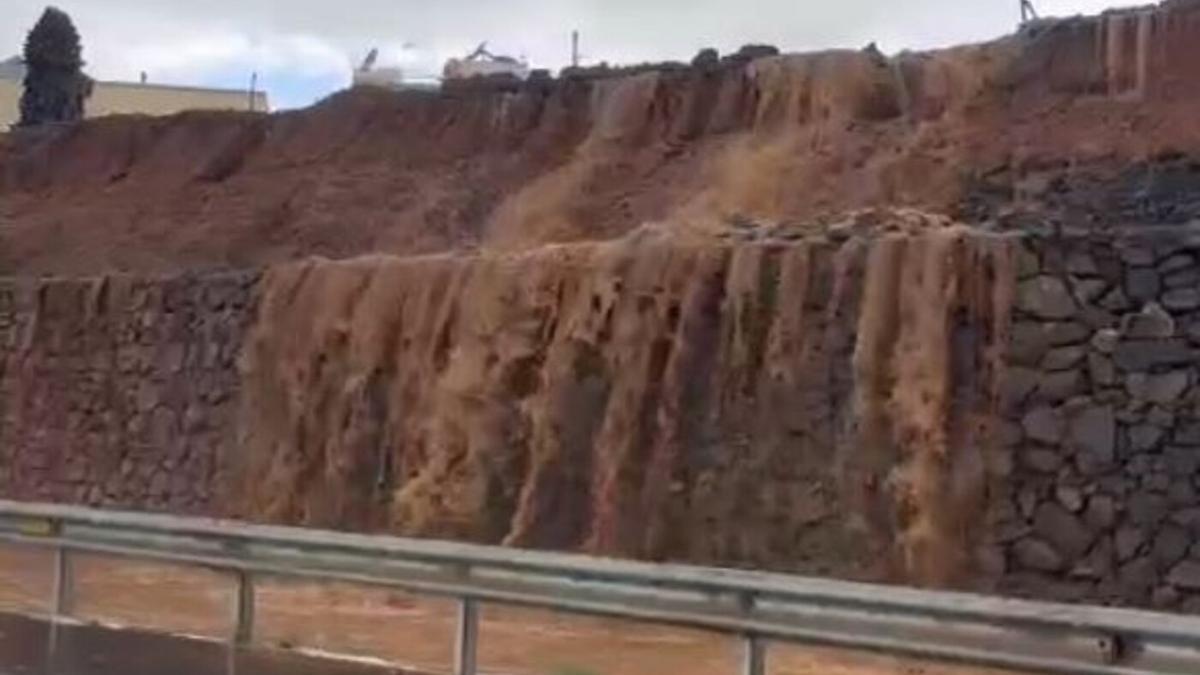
(1088, 121)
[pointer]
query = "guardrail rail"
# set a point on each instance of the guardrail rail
(755, 606)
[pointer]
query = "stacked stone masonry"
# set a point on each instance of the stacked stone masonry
(131, 393)
(1095, 490)
(117, 391)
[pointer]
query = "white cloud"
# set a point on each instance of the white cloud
(194, 56)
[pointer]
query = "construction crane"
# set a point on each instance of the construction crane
(1028, 13)
(369, 62)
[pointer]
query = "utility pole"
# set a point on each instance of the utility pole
(574, 49)
(253, 88)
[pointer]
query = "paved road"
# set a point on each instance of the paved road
(415, 633)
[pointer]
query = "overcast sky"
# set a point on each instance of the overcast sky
(304, 49)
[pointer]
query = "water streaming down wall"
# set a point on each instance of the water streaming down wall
(804, 406)
(807, 406)
(1125, 40)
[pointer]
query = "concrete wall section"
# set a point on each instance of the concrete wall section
(131, 98)
(10, 103)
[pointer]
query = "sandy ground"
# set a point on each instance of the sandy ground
(410, 631)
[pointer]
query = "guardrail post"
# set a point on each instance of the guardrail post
(754, 660)
(466, 641)
(242, 628)
(64, 583)
(61, 602)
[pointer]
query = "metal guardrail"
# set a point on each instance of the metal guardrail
(757, 607)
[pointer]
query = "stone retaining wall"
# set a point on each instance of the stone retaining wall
(127, 393)
(119, 391)
(1097, 497)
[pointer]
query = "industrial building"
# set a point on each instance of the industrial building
(125, 98)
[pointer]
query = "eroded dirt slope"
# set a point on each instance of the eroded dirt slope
(1090, 120)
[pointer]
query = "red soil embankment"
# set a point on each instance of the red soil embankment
(1090, 120)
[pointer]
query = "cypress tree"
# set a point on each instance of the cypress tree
(55, 86)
